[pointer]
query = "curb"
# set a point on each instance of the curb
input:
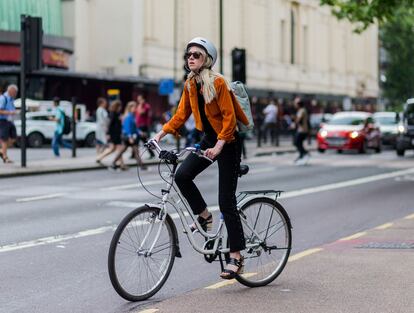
(93, 167)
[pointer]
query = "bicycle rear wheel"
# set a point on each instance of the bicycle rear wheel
(136, 274)
(271, 240)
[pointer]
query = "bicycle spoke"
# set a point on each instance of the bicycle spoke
(265, 227)
(139, 273)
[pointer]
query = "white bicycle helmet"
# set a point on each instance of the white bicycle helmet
(206, 45)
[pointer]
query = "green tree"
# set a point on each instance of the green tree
(363, 13)
(397, 37)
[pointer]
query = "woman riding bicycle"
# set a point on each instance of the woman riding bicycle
(208, 96)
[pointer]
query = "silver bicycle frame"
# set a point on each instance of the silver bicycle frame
(219, 234)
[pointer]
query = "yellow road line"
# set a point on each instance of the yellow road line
(354, 236)
(409, 217)
(303, 254)
(149, 311)
(384, 226)
(228, 282)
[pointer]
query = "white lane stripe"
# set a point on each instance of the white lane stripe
(44, 197)
(55, 239)
(135, 185)
(90, 232)
(263, 170)
(348, 183)
(290, 194)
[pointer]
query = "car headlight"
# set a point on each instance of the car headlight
(354, 134)
(401, 129)
(323, 133)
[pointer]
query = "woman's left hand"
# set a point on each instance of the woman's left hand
(212, 153)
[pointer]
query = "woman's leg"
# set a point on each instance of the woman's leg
(229, 164)
(188, 170)
(118, 157)
(106, 152)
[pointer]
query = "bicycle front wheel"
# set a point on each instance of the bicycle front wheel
(267, 231)
(135, 272)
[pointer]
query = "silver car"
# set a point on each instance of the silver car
(388, 124)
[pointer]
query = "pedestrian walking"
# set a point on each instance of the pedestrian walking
(302, 131)
(143, 120)
(102, 122)
(114, 131)
(207, 94)
(7, 127)
(129, 137)
(59, 118)
(269, 124)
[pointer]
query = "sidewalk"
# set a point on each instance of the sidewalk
(41, 161)
(368, 272)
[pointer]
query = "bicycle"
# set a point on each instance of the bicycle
(145, 243)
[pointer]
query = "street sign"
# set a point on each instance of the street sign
(166, 87)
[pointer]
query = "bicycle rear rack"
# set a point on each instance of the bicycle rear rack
(246, 193)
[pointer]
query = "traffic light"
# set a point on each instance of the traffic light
(238, 60)
(33, 42)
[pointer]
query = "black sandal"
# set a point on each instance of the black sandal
(230, 274)
(205, 223)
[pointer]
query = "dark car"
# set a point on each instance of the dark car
(405, 139)
(350, 131)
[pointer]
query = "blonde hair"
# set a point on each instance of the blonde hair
(206, 76)
(128, 107)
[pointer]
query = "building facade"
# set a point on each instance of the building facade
(293, 47)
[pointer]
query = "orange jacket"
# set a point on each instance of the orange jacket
(222, 112)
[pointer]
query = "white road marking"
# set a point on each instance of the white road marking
(135, 185)
(290, 194)
(44, 197)
(348, 183)
(263, 170)
(55, 239)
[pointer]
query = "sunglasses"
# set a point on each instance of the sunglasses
(196, 55)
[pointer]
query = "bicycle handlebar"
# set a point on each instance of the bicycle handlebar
(153, 144)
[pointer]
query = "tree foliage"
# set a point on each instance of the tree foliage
(363, 13)
(397, 38)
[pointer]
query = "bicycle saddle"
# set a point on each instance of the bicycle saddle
(243, 170)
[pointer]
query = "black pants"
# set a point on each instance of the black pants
(228, 164)
(299, 139)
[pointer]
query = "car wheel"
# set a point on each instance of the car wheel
(400, 152)
(321, 150)
(90, 140)
(339, 151)
(378, 149)
(35, 140)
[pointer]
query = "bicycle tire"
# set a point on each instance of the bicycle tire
(252, 277)
(127, 240)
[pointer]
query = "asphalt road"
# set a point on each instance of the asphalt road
(55, 229)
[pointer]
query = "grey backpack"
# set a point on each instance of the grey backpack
(239, 91)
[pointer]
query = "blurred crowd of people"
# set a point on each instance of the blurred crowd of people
(116, 131)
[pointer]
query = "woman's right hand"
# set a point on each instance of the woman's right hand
(159, 135)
